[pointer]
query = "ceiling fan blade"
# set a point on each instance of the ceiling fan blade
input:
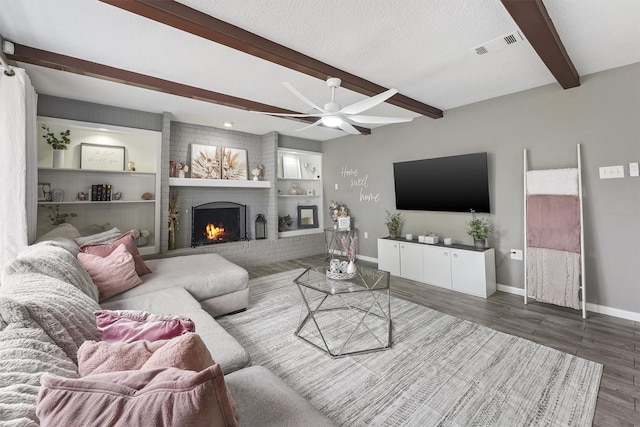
(347, 127)
(302, 97)
(316, 123)
(287, 114)
(368, 103)
(378, 119)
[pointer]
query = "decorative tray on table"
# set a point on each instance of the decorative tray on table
(340, 275)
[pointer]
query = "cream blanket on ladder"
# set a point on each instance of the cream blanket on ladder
(554, 276)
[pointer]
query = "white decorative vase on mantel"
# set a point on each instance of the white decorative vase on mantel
(58, 158)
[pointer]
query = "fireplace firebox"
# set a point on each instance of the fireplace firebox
(218, 222)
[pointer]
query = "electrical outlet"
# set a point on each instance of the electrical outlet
(366, 235)
(607, 172)
(336, 186)
(516, 254)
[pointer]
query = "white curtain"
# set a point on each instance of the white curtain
(18, 163)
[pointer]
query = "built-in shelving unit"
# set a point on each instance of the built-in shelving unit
(301, 170)
(131, 211)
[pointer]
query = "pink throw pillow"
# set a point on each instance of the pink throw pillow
(187, 351)
(158, 397)
(131, 325)
(128, 241)
(113, 274)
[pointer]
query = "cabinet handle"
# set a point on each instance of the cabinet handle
(446, 253)
(455, 255)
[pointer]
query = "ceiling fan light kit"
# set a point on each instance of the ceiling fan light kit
(334, 116)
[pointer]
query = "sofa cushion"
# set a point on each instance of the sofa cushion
(54, 258)
(224, 348)
(184, 352)
(65, 230)
(63, 311)
(127, 239)
(263, 399)
(203, 275)
(135, 325)
(112, 274)
(26, 352)
(159, 397)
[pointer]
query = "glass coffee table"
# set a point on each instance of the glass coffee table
(348, 316)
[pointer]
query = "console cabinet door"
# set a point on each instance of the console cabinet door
(473, 272)
(437, 266)
(411, 261)
(389, 256)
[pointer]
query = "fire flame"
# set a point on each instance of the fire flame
(214, 232)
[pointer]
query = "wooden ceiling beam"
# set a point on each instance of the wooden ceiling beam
(533, 19)
(70, 64)
(184, 18)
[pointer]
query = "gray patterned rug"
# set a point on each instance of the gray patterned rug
(441, 371)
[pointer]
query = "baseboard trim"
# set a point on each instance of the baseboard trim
(596, 308)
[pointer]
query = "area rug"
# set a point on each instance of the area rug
(441, 370)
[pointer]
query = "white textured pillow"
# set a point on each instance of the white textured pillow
(112, 274)
(102, 237)
(65, 230)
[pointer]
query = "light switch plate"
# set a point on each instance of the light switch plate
(633, 169)
(607, 172)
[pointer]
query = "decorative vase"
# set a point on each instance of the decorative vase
(351, 268)
(58, 159)
(172, 236)
(393, 233)
(480, 243)
(57, 195)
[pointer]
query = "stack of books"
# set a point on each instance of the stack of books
(101, 192)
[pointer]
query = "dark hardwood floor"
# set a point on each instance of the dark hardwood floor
(608, 340)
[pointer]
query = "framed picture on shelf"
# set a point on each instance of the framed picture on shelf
(308, 217)
(101, 157)
(344, 223)
(205, 161)
(44, 192)
(234, 164)
(291, 167)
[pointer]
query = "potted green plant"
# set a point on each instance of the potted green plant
(393, 223)
(284, 222)
(479, 228)
(58, 144)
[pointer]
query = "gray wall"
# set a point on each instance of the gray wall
(603, 115)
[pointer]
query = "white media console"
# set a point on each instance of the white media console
(457, 267)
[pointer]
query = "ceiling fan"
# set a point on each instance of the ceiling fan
(333, 115)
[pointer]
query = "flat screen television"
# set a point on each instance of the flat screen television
(447, 184)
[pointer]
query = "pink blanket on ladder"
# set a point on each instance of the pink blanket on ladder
(553, 222)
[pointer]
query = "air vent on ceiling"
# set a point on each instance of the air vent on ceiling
(499, 43)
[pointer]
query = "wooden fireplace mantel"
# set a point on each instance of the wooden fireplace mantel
(197, 182)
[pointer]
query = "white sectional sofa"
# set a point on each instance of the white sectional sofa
(47, 305)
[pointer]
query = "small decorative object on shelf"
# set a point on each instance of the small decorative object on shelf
(58, 145)
(57, 195)
(393, 223)
(295, 190)
(479, 229)
(131, 167)
(172, 169)
(256, 174)
(117, 196)
(284, 222)
(82, 196)
(147, 196)
(261, 227)
(141, 237)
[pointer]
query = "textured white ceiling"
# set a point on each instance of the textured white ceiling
(422, 48)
